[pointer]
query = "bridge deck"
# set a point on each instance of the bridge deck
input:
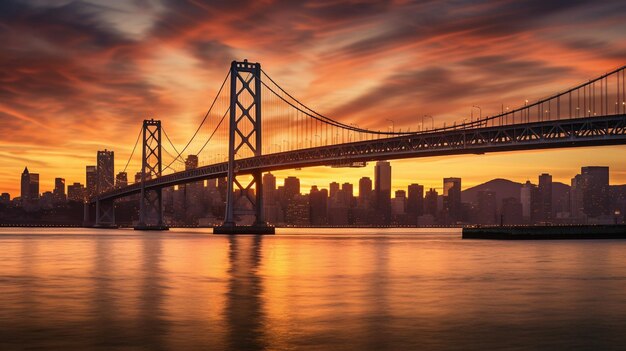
(589, 131)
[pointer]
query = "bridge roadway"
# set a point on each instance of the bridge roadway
(586, 131)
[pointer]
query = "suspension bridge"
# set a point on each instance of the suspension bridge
(254, 126)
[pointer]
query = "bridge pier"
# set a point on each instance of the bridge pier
(105, 214)
(244, 135)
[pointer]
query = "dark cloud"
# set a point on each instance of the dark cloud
(438, 87)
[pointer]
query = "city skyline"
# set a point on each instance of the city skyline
(307, 183)
(371, 201)
(56, 117)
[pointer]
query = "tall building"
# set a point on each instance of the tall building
(398, 203)
(191, 162)
(29, 187)
(292, 187)
(269, 188)
(365, 192)
(121, 180)
(382, 189)
(347, 194)
(576, 197)
(59, 190)
(415, 200)
(334, 189)
(595, 181)
(105, 171)
(430, 202)
(452, 199)
(487, 207)
(91, 178)
(529, 197)
(5, 199)
(76, 192)
(318, 204)
(545, 197)
(511, 211)
(271, 206)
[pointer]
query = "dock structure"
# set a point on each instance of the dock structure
(546, 232)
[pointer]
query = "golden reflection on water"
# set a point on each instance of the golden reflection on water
(352, 289)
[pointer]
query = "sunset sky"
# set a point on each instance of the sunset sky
(78, 76)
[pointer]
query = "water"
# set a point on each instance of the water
(356, 289)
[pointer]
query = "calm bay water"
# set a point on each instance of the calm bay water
(355, 289)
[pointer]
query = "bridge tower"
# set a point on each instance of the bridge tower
(244, 135)
(151, 200)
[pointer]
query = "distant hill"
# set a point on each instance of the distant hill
(506, 188)
(503, 187)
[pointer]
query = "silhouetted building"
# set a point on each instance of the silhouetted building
(292, 187)
(297, 212)
(382, 190)
(76, 192)
(334, 189)
(105, 171)
(576, 197)
(318, 204)
(365, 192)
(47, 200)
(5, 199)
(595, 181)
(91, 178)
(121, 179)
(59, 190)
(191, 162)
(545, 198)
(487, 207)
(29, 189)
(273, 213)
(398, 203)
(347, 194)
(511, 211)
(529, 197)
(452, 199)
(430, 202)
(415, 201)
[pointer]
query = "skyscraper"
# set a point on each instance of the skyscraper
(365, 192)
(382, 189)
(105, 171)
(76, 192)
(529, 197)
(576, 197)
(270, 199)
(269, 188)
(415, 200)
(545, 197)
(595, 181)
(91, 178)
(347, 193)
(430, 202)
(318, 200)
(487, 207)
(398, 203)
(292, 187)
(334, 189)
(59, 190)
(29, 188)
(121, 180)
(452, 199)
(191, 162)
